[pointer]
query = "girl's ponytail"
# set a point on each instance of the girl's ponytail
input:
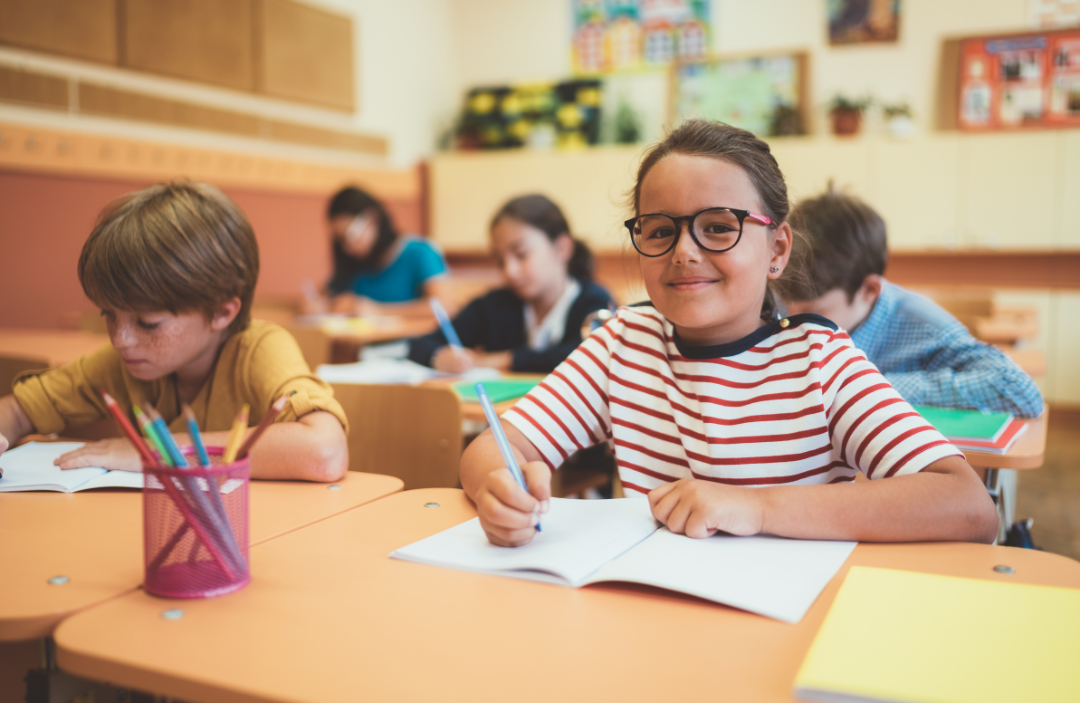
(582, 263)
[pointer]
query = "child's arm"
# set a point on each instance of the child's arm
(508, 514)
(943, 502)
(14, 423)
(311, 449)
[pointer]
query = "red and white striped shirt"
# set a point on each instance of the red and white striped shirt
(792, 403)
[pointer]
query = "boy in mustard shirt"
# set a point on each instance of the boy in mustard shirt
(173, 269)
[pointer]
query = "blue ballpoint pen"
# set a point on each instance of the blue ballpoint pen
(444, 323)
(501, 440)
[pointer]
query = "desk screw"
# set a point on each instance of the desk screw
(58, 580)
(172, 614)
(335, 487)
(431, 505)
(1002, 569)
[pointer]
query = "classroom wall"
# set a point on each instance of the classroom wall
(491, 35)
(405, 88)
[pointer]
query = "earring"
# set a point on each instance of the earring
(774, 269)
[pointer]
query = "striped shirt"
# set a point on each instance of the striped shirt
(793, 403)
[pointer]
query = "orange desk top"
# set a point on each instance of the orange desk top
(328, 617)
(1026, 453)
(57, 347)
(95, 539)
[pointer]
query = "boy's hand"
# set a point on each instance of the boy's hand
(699, 508)
(114, 454)
(508, 514)
(450, 359)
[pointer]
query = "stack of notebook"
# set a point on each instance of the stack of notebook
(972, 430)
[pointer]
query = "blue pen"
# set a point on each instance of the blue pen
(501, 440)
(444, 323)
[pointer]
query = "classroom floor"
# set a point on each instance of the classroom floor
(1051, 494)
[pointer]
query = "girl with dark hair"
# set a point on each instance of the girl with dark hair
(534, 322)
(376, 269)
(723, 415)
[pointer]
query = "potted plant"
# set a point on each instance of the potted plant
(898, 118)
(847, 113)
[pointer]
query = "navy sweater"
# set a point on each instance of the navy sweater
(496, 322)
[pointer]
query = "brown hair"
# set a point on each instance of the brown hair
(741, 148)
(848, 239)
(540, 212)
(177, 246)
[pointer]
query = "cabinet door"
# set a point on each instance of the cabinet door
(1010, 196)
(809, 165)
(916, 188)
(1069, 190)
(1063, 373)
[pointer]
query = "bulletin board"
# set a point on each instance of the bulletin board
(1019, 81)
(765, 94)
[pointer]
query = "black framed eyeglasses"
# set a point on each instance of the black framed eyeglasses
(714, 229)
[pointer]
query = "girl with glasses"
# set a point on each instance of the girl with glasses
(723, 415)
(532, 323)
(376, 269)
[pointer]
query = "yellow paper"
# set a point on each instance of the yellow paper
(904, 636)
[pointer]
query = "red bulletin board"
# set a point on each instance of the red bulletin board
(1024, 80)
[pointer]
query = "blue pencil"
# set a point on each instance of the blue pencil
(444, 323)
(501, 440)
(196, 436)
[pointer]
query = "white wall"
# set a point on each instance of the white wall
(501, 41)
(406, 87)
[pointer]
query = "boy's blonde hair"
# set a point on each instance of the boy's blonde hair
(177, 246)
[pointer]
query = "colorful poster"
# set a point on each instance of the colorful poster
(627, 35)
(1028, 80)
(863, 21)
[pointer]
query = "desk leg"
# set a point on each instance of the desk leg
(1002, 489)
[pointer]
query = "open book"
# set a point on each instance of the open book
(589, 541)
(30, 468)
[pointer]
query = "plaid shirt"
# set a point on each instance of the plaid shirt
(929, 357)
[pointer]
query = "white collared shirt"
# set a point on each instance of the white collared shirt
(552, 328)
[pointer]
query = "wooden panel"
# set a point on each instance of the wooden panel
(919, 204)
(113, 102)
(35, 89)
(304, 53)
(948, 87)
(981, 268)
(85, 29)
(202, 40)
(1009, 195)
(315, 136)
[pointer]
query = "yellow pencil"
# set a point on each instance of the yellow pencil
(236, 435)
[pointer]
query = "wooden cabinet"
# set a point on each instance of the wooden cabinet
(83, 29)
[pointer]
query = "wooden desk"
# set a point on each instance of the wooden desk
(472, 412)
(55, 347)
(346, 343)
(95, 539)
(1026, 453)
(328, 617)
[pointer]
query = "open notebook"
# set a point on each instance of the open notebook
(30, 468)
(589, 541)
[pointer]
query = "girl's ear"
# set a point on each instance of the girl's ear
(225, 314)
(779, 250)
(564, 247)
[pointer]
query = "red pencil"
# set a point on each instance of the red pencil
(128, 428)
(267, 420)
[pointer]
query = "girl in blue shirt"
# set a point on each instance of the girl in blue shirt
(376, 269)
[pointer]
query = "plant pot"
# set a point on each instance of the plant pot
(845, 122)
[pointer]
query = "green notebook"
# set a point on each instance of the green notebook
(965, 424)
(498, 390)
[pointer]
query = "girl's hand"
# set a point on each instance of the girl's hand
(450, 359)
(508, 514)
(699, 508)
(114, 454)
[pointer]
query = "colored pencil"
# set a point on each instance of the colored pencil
(267, 420)
(147, 428)
(196, 436)
(236, 435)
(128, 429)
(502, 441)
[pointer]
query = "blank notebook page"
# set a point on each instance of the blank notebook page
(578, 537)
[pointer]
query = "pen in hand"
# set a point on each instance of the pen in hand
(502, 441)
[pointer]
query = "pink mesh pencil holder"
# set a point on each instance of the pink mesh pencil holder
(195, 528)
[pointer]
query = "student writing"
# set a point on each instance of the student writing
(924, 352)
(376, 269)
(534, 322)
(173, 269)
(724, 416)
